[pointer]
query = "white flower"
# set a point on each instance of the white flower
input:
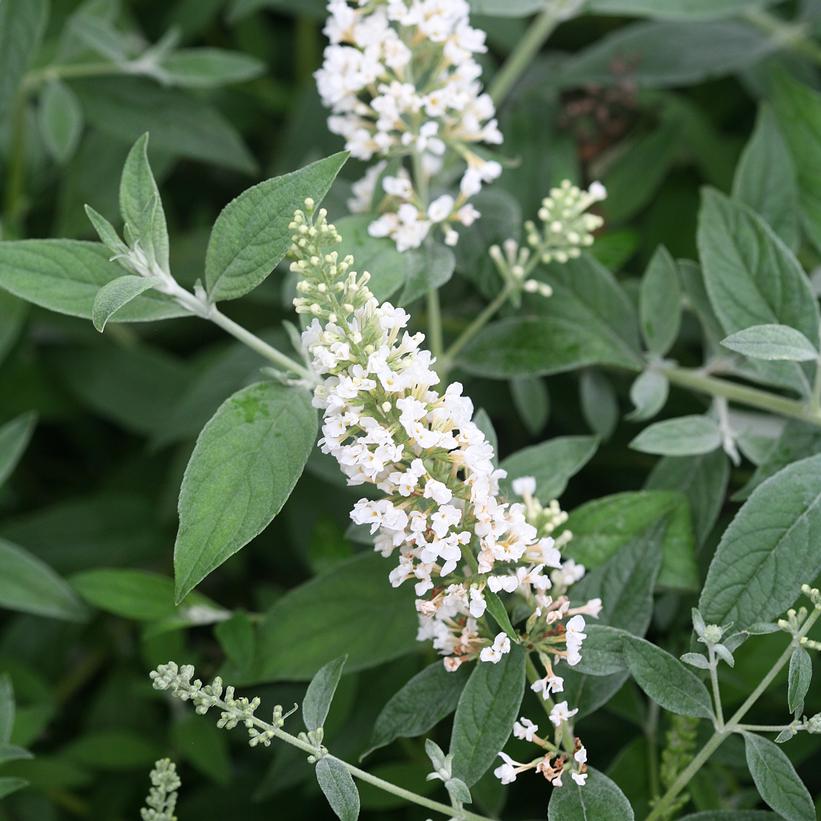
(438, 491)
(579, 778)
(525, 729)
(506, 772)
(524, 486)
(494, 653)
(560, 713)
(581, 755)
(574, 636)
(439, 210)
(549, 684)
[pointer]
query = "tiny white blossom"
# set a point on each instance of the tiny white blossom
(494, 653)
(560, 713)
(506, 772)
(525, 729)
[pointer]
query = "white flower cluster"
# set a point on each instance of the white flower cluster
(400, 79)
(442, 517)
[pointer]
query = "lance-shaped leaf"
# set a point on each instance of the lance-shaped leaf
(251, 234)
(683, 436)
(14, 438)
(320, 693)
(115, 295)
(338, 787)
(772, 342)
(244, 466)
(598, 798)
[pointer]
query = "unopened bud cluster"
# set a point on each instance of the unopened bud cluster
(162, 797)
(566, 227)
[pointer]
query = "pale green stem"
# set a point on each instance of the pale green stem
(520, 58)
(719, 711)
(651, 734)
(754, 397)
(35, 78)
(732, 724)
(816, 388)
(761, 728)
(793, 35)
(256, 344)
(362, 775)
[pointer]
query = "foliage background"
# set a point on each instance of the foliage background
(117, 415)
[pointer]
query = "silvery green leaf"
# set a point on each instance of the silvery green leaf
(648, 393)
(61, 120)
(532, 402)
(772, 342)
(106, 232)
(776, 779)
(798, 110)
(696, 660)
(251, 234)
(753, 278)
(437, 755)
(665, 679)
(767, 552)
(206, 67)
(7, 708)
(338, 787)
(798, 679)
(698, 621)
(102, 37)
(553, 463)
(682, 436)
(765, 178)
(602, 651)
(599, 403)
(485, 714)
(724, 654)
(419, 705)
(22, 23)
(734, 641)
(11, 752)
(115, 295)
(141, 205)
(660, 302)
(9, 785)
(14, 438)
(674, 9)
(428, 267)
(252, 453)
(598, 798)
(785, 735)
(458, 790)
(320, 693)
(762, 628)
(29, 585)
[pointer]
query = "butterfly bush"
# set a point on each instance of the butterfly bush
(400, 79)
(442, 518)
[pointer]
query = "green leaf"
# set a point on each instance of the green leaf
(588, 320)
(626, 581)
(669, 53)
(648, 393)
(776, 779)
(701, 478)
(14, 312)
(31, 586)
(141, 206)
(601, 527)
(674, 9)
(388, 268)
(798, 109)
(603, 654)
(113, 750)
(768, 550)
(181, 124)
(115, 295)
(599, 798)
(61, 120)
(497, 609)
(11, 785)
(552, 463)
(320, 693)
(338, 788)
(136, 594)
(666, 680)
(207, 67)
(798, 679)
(244, 466)
(532, 402)
(14, 438)
(485, 714)
(660, 302)
(6, 708)
(64, 275)
(599, 403)
(22, 23)
(371, 621)
(731, 815)
(753, 278)
(772, 342)
(11, 752)
(198, 740)
(251, 234)
(683, 436)
(419, 705)
(765, 178)
(430, 266)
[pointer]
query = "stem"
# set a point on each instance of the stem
(533, 675)
(790, 34)
(732, 724)
(651, 734)
(474, 328)
(754, 397)
(761, 728)
(716, 692)
(258, 345)
(520, 58)
(35, 78)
